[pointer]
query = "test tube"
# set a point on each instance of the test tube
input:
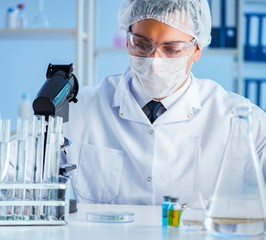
(53, 149)
(37, 142)
(20, 173)
(52, 161)
(4, 148)
(4, 162)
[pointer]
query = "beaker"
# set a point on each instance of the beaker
(238, 205)
(193, 215)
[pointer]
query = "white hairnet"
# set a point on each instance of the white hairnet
(189, 16)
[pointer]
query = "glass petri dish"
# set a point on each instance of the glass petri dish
(110, 217)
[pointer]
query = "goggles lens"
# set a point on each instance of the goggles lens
(144, 47)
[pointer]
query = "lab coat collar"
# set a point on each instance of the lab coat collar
(183, 110)
(185, 107)
(123, 98)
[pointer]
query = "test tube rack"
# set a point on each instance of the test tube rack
(61, 205)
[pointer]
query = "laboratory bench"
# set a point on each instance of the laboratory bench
(146, 225)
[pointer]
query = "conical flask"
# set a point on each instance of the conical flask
(238, 205)
(193, 214)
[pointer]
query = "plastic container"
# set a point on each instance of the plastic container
(21, 20)
(25, 107)
(11, 17)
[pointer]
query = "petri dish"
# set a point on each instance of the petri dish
(110, 217)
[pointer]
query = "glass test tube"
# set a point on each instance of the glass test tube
(4, 148)
(52, 160)
(37, 142)
(20, 172)
(4, 162)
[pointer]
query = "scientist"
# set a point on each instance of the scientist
(133, 134)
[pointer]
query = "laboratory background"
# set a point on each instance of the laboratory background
(34, 33)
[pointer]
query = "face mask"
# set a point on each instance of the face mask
(159, 77)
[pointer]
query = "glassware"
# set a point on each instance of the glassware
(4, 161)
(20, 173)
(194, 213)
(4, 147)
(40, 20)
(52, 161)
(174, 213)
(238, 205)
(165, 205)
(53, 149)
(37, 154)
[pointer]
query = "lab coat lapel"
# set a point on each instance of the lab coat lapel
(185, 107)
(128, 107)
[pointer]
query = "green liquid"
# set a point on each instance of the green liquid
(174, 218)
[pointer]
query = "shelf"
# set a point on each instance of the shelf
(255, 65)
(255, 1)
(220, 51)
(45, 33)
(109, 50)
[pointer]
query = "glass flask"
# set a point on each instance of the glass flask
(40, 20)
(238, 205)
(194, 213)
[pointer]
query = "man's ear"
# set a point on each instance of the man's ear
(197, 54)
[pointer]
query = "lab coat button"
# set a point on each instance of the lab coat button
(151, 132)
(121, 114)
(148, 179)
(189, 116)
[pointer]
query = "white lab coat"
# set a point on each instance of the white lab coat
(124, 159)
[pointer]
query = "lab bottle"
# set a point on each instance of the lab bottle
(174, 213)
(21, 21)
(193, 215)
(238, 205)
(25, 107)
(119, 39)
(11, 18)
(165, 205)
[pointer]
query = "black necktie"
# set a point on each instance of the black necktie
(153, 106)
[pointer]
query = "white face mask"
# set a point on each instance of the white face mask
(159, 77)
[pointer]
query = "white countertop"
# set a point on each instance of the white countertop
(146, 225)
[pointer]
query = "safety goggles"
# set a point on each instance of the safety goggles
(144, 47)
